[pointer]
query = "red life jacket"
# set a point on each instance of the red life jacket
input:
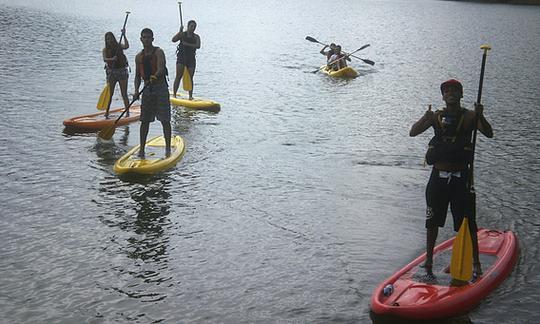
(148, 64)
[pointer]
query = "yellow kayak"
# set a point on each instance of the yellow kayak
(346, 72)
(196, 103)
(155, 159)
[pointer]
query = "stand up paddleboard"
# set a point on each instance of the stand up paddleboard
(406, 295)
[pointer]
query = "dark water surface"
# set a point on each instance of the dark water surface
(294, 201)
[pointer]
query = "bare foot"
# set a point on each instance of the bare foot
(141, 154)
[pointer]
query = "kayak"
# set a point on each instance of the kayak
(155, 159)
(97, 121)
(346, 72)
(196, 103)
(406, 295)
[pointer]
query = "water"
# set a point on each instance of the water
(293, 202)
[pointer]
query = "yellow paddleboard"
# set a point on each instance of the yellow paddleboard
(155, 159)
(196, 103)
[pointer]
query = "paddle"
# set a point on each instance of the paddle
(461, 267)
(108, 132)
(105, 96)
(370, 62)
(186, 78)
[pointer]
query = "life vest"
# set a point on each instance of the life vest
(148, 64)
(186, 52)
(451, 143)
(121, 60)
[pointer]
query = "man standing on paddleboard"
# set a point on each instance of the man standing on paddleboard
(151, 67)
(450, 152)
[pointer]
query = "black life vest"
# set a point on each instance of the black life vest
(451, 143)
(186, 52)
(121, 60)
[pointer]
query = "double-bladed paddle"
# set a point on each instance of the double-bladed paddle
(461, 267)
(105, 96)
(370, 62)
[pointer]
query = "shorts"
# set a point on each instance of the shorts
(189, 62)
(114, 75)
(155, 103)
(444, 189)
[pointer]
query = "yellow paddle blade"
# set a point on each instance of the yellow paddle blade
(186, 80)
(461, 267)
(104, 98)
(107, 132)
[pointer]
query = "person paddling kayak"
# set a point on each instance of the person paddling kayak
(116, 67)
(450, 152)
(328, 53)
(185, 54)
(338, 60)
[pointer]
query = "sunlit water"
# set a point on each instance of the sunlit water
(294, 201)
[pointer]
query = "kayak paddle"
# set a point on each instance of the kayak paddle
(107, 132)
(461, 266)
(105, 97)
(370, 62)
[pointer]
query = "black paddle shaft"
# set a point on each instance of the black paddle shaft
(475, 126)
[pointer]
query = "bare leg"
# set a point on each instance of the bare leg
(431, 238)
(111, 88)
(179, 73)
(191, 74)
(123, 91)
(145, 126)
(167, 134)
(477, 268)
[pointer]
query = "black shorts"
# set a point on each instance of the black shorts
(452, 190)
(185, 60)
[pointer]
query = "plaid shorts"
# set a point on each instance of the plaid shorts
(114, 75)
(155, 103)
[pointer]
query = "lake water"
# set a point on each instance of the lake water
(292, 203)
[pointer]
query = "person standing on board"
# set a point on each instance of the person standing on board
(151, 67)
(450, 152)
(185, 54)
(116, 67)
(328, 53)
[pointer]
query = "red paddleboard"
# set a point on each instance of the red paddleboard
(405, 294)
(97, 121)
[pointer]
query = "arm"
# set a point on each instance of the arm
(137, 79)
(178, 35)
(423, 123)
(107, 59)
(483, 125)
(323, 52)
